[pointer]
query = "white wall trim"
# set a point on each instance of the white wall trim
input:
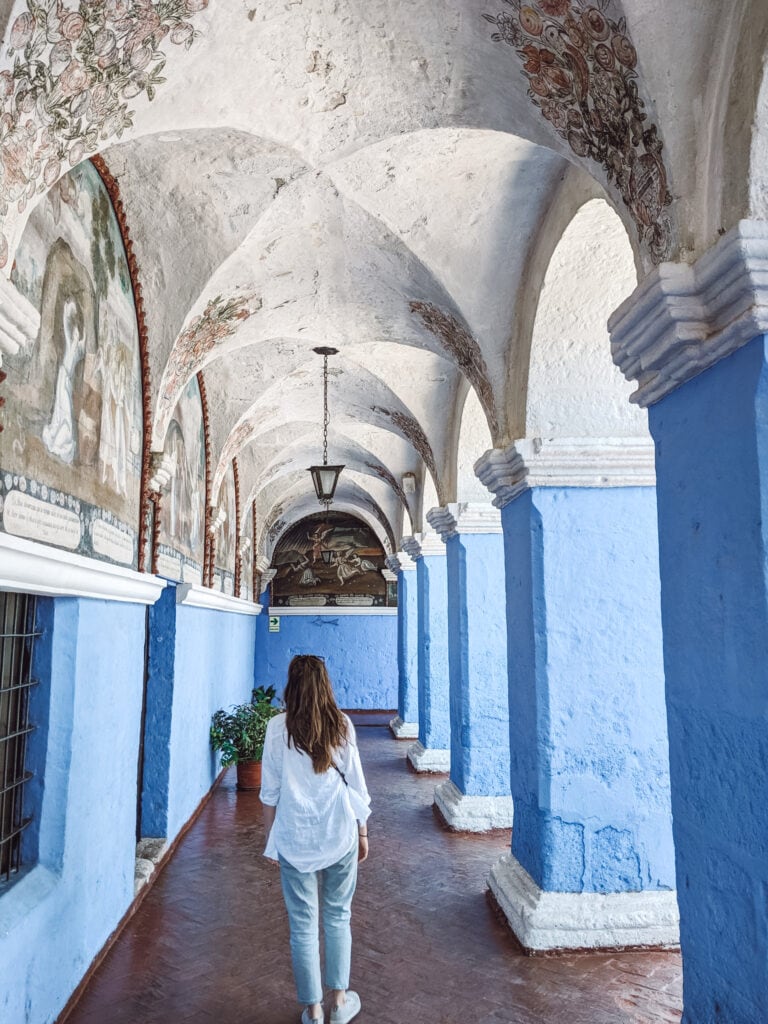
(32, 568)
(334, 611)
(464, 813)
(192, 595)
(682, 319)
(429, 759)
(566, 462)
(404, 730)
(545, 921)
(465, 517)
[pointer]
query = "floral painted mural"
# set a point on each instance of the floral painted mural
(218, 321)
(71, 451)
(182, 511)
(73, 71)
(581, 67)
(328, 560)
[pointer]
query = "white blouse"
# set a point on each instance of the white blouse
(316, 814)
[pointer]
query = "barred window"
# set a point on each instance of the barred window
(17, 636)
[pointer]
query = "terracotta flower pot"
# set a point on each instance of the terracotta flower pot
(249, 774)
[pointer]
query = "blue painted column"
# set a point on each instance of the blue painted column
(431, 752)
(477, 796)
(406, 725)
(712, 462)
(592, 849)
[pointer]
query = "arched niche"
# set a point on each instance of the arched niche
(574, 388)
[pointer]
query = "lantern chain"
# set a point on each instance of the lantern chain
(325, 410)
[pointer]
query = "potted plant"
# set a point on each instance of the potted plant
(239, 735)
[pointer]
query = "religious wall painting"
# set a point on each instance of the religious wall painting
(226, 535)
(329, 559)
(71, 450)
(246, 557)
(580, 64)
(75, 70)
(182, 509)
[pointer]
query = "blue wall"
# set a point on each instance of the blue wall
(56, 917)
(360, 653)
(589, 752)
(477, 646)
(434, 700)
(712, 473)
(408, 646)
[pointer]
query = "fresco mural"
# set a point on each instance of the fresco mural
(70, 454)
(329, 560)
(182, 512)
(246, 557)
(226, 535)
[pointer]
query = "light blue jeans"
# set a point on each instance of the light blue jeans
(304, 894)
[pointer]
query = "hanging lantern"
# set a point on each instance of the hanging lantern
(325, 477)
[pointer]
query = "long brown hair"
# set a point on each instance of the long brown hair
(313, 719)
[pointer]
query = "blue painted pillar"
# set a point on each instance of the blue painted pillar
(431, 752)
(406, 725)
(477, 795)
(589, 753)
(712, 462)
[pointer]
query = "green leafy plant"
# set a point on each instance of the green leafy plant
(239, 733)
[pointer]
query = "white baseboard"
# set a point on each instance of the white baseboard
(426, 759)
(464, 813)
(404, 730)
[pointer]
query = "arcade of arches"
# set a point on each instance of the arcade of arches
(537, 236)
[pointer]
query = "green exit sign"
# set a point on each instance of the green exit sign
(274, 623)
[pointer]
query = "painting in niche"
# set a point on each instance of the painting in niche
(329, 560)
(182, 509)
(71, 450)
(246, 557)
(226, 536)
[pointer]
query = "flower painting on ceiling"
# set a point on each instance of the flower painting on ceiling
(581, 68)
(329, 560)
(182, 510)
(70, 453)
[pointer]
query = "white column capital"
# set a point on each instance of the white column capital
(163, 468)
(566, 462)
(401, 561)
(389, 576)
(267, 576)
(19, 320)
(423, 544)
(262, 564)
(682, 319)
(465, 517)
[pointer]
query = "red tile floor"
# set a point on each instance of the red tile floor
(210, 944)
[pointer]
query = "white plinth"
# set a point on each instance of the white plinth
(546, 921)
(404, 730)
(464, 813)
(426, 759)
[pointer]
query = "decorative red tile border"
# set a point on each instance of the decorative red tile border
(238, 557)
(113, 189)
(209, 551)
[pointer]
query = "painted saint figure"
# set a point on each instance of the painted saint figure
(59, 435)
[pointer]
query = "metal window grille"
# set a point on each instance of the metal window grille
(17, 636)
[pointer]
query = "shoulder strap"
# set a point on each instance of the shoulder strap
(341, 773)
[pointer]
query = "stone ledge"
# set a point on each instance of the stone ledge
(682, 319)
(404, 730)
(465, 517)
(463, 813)
(568, 921)
(423, 545)
(424, 759)
(566, 462)
(193, 595)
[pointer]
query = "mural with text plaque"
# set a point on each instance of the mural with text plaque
(330, 560)
(71, 447)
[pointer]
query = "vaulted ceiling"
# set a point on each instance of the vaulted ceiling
(387, 178)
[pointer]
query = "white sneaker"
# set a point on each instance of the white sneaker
(348, 1009)
(306, 1019)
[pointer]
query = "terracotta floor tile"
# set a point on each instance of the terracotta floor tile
(210, 942)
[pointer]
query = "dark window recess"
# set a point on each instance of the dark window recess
(17, 637)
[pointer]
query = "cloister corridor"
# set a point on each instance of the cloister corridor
(208, 943)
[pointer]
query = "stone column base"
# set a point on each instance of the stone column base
(425, 759)
(464, 813)
(547, 921)
(404, 730)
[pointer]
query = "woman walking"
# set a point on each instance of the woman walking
(316, 807)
